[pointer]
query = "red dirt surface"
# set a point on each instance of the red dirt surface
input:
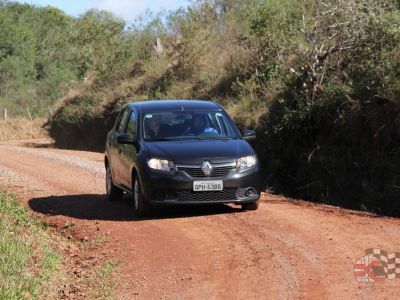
(287, 249)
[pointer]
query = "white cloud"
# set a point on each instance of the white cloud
(130, 9)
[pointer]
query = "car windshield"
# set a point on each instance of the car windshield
(176, 125)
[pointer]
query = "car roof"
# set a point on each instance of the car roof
(162, 105)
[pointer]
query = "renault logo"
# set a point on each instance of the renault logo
(207, 168)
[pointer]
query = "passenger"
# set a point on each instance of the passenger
(154, 127)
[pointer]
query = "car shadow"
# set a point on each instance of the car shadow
(97, 207)
(38, 145)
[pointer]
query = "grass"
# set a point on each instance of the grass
(34, 266)
(107, 280)
(21, 129)
(29, 266)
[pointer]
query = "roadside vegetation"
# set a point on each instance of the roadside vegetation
(29, 265)
(320, 82)
(36, 263)
(20, 128)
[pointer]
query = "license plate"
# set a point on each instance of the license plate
(209, 185)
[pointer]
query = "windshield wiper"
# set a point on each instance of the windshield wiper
(189, 138)
(159, 139)
(214, 138)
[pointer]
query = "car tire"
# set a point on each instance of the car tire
(114, 193)
(140, 205)
(250, 206)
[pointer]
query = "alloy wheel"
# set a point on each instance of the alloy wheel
(136, 194)
(108, 180)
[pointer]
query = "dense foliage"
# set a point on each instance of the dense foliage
(44, 53)
(332, 133)
(319, 80)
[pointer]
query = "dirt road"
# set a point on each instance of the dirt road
(287, 249)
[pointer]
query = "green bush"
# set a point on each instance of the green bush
(332, 134)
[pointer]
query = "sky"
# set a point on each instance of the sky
(126, 9)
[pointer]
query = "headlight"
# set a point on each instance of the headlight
(246, 162)
(161, 164)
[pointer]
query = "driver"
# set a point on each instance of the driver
(199, 126)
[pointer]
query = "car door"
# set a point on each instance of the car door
(116, 148)
(128, 153)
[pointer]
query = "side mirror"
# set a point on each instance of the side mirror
(126, 139)
(249, 135)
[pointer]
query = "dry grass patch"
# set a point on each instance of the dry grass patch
(22, 129)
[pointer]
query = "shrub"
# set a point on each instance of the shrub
(332, 134)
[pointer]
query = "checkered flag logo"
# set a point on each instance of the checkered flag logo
(390, 261)
(377, 265)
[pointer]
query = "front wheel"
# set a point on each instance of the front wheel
(141, 207)
(114, 193)
(250, 206)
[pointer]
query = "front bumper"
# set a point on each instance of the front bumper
(175, 188)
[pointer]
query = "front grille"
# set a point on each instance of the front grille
(224, 195)
(197, 172)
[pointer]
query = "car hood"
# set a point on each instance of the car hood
(196, 151)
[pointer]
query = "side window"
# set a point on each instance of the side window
(122, 123)
(131, 129)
